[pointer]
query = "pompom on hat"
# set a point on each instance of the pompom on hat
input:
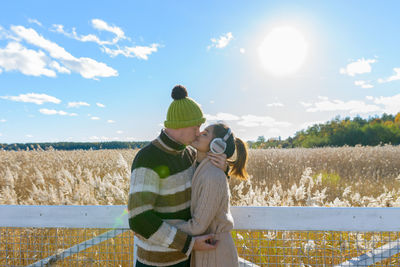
(183, 111)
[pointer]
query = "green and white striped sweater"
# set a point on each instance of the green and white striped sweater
(159, 196)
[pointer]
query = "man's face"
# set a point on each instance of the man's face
(189, 134)
(202, 142)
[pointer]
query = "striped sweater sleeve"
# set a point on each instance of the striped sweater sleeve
(143, 220)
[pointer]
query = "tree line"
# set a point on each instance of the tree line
(74, 145)
(336, 132)
(340, 132)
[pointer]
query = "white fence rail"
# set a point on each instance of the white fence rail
(246, 218)
(263, 225)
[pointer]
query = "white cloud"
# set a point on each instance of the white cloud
(387, 104)
(305, 104)
(98, 138)
(95, 118)
(242, 50)
(32, 37)
(274, 132)
(15, 57)
(363, 84)
(34, 21)
(78, 104)
(110, 121)
(222, 117)
(5, 34)
(90, 38)
(83, 38)
(257, 121)
(358, 67)
(86, 67)
(29, 135)
(103, 26)
(38, 99)
(102, 138)
(305, 125)
(394, 77)
(276, 104)
(3, 120)
(1, 134)
(352, 106)
(119, 132)
(91, 69)
(55, 65)
(100, 105)
(222, 42)
(46, 111)
(247, 120)
(141, 52)
(391, 103)
(97, 24)
(212, 101)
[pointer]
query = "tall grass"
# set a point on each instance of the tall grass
(346, 176)
(65, 177)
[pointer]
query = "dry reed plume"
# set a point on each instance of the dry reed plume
(346, 176)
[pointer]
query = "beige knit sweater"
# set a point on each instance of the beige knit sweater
(210, 210)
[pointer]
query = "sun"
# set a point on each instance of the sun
(283, 51)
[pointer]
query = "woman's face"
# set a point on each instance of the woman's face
(202, 142)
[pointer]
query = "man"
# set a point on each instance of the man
(160, 189)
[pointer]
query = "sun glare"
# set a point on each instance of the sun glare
(283, 51)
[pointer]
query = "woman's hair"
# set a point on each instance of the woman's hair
(238, 166)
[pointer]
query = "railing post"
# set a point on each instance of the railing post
(134, 250)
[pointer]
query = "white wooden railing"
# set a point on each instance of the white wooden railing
(246, 218)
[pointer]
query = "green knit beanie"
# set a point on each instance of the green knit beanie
(183, 111)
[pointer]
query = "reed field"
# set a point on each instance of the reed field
(332, 177)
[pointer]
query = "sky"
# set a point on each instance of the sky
(91, 71)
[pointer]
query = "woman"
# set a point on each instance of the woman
(210, 196)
